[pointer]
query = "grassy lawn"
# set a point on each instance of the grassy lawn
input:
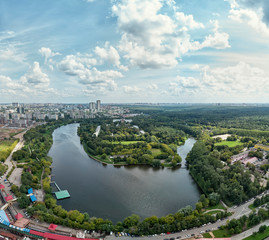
(259, 236)
(221, 233)
(123, 142)
(219, 206)
(167, 164)
(213, 212)
(156, 151)
(103, 160)
(6, 147)
(229, 143)
(251, 207)
(207, 235)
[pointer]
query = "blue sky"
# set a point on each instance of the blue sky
(134, 51)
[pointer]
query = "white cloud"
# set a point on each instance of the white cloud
(47, 53)
(131, 89)
(33, 83)
(152, 40)
(188, 21)
(253, 13)
(35, 77)
(92, 78)
(10, 53)
(152, 86)
(110, 55)
(239, 81)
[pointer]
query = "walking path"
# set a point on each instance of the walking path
(19, 145)
(213, 210)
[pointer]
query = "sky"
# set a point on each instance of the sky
(127, 51)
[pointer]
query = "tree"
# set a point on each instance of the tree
(262, 228)
(214, 198)
(73, 214)
(24, 201)
(131, 221)
(204, 200)
(199, 206)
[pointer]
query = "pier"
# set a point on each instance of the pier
(60, 194)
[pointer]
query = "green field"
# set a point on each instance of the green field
(219, 206)
(207, 235)
(214, 212)
(221, 233)
(229, 143)
(259, 236)
(155, 151)
(6, 147)
(123, 142)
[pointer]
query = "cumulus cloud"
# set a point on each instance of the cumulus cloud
(89, 76)
(10, 53)
(253, 13)
(239, 80)
(33, 83)
(35, 77)
(47, 53)
(188, 21)
(110, 55)
(131, 89)
(262, 5)
(152, 40)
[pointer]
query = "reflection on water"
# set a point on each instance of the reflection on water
(115, 192)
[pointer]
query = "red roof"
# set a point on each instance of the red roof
(8, 198)
(18, 216)
(52, 227)
(53, 236)
(2, 186)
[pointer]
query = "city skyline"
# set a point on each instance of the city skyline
(124, 51)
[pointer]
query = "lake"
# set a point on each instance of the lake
(117, 192)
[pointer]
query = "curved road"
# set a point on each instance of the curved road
(238, 212)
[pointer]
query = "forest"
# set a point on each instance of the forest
(164, 129)
(125, 143)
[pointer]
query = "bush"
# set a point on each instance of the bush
(262, 229)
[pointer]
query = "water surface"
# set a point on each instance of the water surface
(117, 192)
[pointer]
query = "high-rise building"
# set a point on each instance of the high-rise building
(20, 110)
(15, 104)
(98, 105)
(92, 106)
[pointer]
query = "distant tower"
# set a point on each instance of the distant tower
(92, 106)
(20, 110)
(15, 104)
(98, 105)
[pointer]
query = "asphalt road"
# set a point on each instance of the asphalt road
(238, 212)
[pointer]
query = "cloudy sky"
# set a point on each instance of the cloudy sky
(134, 51)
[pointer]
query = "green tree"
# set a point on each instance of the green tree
(24, 201)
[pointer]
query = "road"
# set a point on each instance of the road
(249, 232)
(19, 145)
(238, 212)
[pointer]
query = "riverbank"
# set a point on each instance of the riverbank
(139, 189)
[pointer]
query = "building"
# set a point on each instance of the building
(20, 110)
(98, 105)
(92, 106)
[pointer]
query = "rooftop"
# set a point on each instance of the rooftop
(62, 194)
